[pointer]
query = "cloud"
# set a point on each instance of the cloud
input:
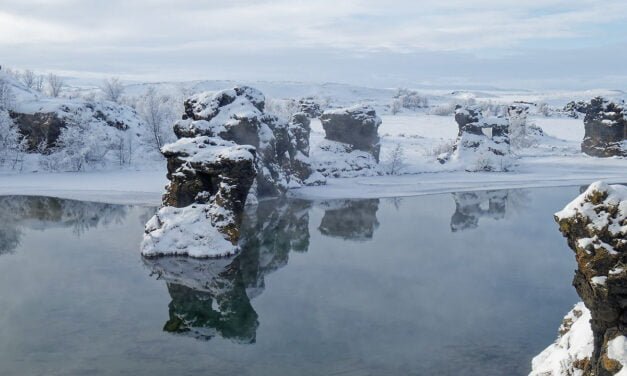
(157, 34)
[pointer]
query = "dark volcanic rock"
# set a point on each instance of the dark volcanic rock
(209, 182)
(356, 126)
(310, 107)
(238, 115)
(39, 127)
(482, 143)
(606, 129)
(595, 225)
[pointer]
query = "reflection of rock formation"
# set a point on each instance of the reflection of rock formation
(208, 298)
(212, 296)
(350, 219)
(471, 206)
(38, 213)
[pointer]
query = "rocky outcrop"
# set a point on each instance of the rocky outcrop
(42, 128)
(238, 115)
(310, 107)
(357, 126)
(203, 205)
(482, 143)
(606, 129)
(351, 146)
(575, 109)
(595, 226)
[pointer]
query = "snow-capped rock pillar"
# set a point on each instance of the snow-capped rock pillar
(595, 225)
(606, 129)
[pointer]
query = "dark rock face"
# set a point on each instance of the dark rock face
(574, 109)
(209, 171)
(238, 115)
(350, 219)
(356, 126)
(482, 143)
(606, 129)
(45, 127)
(39, 127)
(595, 227)
(310, 107)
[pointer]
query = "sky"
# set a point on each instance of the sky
(524, 44)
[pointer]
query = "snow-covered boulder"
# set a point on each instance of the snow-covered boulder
(310, 107)
(482, 143)
(209, 182)
(606, 129)
(357, 126)
(238, 115)
(595, 225)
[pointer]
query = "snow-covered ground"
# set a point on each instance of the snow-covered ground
(555, 161)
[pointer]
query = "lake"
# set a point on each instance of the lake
(472, 283)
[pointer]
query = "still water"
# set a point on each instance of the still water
(451, 284)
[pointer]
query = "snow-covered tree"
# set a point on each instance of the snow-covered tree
(28, 78)
(397, 157)
(7, 98)
(12, 144)
(81, 143)
(55, 84)
(159, 112)
(113, 89)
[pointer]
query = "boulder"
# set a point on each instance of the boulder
(606, 129)
(595, 226)
(355, 126)
(482, 143)
(310, 107)
(238, 115)
(203, 205)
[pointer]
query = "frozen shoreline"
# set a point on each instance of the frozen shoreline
(147, 187)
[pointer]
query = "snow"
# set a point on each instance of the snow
(575, 344)
(616, 195)
(617, 350)
(185, 231)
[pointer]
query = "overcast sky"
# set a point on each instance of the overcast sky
(522, 44)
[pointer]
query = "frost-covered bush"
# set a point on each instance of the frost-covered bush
(12, 144)
(81, 143)
(7, 98)
(283, 108)
(396, 159)
(408, 99)
(445, 147)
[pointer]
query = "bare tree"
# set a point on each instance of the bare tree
(55, 84)
(397, 157)
(39, 83)
(28, 78)
(157, 112)
(113, 89)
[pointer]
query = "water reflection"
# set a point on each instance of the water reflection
(212, 297)
(39, 213)
(472, 206)
(350, 219)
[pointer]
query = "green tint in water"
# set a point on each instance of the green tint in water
(454, 284)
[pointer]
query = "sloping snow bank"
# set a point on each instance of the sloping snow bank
(572, 348)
